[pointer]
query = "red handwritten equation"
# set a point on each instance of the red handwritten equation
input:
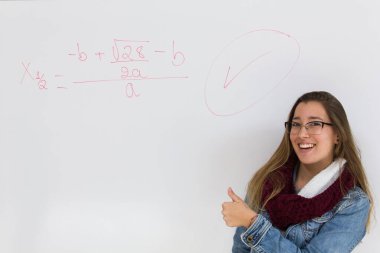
(128, 56)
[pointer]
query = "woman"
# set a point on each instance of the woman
(312, 195)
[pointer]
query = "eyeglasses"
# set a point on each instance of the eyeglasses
(313, 127)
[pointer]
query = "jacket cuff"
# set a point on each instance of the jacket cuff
(254, 234)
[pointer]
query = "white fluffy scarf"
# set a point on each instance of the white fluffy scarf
(320, 182)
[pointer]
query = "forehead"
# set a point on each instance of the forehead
(310, 110)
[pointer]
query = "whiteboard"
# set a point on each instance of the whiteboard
(123, 123)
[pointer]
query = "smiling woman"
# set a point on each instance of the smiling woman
(314, 146)
(314, 186)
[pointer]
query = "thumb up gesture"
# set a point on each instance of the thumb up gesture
(237, 213)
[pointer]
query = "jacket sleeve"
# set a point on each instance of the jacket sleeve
(340, 234)
(239, 246)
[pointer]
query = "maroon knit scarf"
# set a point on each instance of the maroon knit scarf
(287, 208)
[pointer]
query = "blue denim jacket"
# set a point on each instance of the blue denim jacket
(337, 231)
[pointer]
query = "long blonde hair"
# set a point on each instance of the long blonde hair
(346, 148)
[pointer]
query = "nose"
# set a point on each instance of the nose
(303, 132)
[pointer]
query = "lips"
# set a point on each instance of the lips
(306, 145)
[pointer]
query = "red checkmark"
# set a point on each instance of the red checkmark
(227, 81)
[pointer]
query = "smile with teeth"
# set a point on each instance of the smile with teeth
(306, 145)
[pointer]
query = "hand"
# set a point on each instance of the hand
(237, 213)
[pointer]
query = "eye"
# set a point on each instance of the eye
(295, 124)
(315, 124)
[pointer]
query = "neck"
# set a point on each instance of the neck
(307, 171)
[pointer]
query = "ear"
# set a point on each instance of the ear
(336, 139)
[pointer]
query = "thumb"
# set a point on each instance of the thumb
(233, 196)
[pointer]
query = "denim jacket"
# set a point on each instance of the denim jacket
(337, 231)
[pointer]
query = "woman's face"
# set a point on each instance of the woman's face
(313, 150)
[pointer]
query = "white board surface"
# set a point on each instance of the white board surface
(122, 123)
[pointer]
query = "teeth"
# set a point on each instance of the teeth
(305, 145)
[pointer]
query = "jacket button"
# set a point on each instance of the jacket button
(250, 238)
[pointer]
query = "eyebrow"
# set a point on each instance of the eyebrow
(310, 118)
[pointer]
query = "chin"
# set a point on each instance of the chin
(307, 160)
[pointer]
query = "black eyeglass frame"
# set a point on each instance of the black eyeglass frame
(288, 125)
